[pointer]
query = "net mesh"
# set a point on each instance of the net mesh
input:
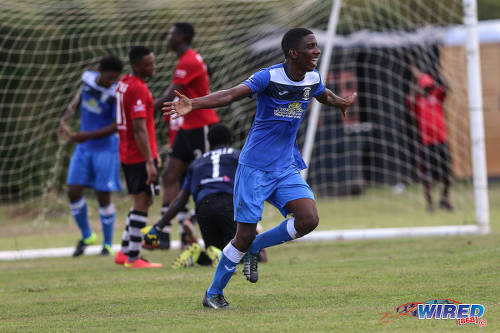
(368, 158)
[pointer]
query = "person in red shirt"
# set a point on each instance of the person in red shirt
(190, 78)
(426, 103)
(138, 153)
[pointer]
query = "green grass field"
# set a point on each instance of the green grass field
(314, 287)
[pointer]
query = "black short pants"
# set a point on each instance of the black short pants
(190, 144)
(435, 162)
(215, 218)
(136, 176)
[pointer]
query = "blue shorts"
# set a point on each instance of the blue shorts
(253, 186)
(97, 169)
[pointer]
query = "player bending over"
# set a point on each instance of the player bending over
(210, 180)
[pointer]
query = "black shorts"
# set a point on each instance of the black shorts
(136, 176)
(435, 162)
(190, 144)
(215, 218)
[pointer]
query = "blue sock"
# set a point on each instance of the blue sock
(79, 212)
(107, 215)
(279, 234)
(225, 270)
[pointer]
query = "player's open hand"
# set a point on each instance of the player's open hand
(178, 108)
(346, 103)
(63, 131)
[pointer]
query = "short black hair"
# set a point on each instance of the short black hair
(185, 29)
(291, 39)
(137, 53)
(110, 63)
(219, 135)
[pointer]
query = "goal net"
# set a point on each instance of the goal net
(364, 165)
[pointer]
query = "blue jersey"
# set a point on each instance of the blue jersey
(213, 172)
(281, 102)
(97, 106)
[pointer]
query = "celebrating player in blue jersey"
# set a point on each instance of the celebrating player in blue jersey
(95, 161)
(270, 162)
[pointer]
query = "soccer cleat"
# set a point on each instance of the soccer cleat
(151, 238)
(188, 257)
(250, 267)
(141, 263)
(106, 250)
(120, 258)
(83, 243)
(215, 302)
(188, 234)
(214, 254)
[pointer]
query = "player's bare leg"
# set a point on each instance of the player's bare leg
(445, 203)
(306, 215)
(428, 195)
(305, 219)
(170, 183)
(75, 192)
(245, 234)
(173, 171)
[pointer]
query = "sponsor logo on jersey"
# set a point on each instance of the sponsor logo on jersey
(180, 73)
(294, 110)
(92, 105)
(215, 180)
(139, 106)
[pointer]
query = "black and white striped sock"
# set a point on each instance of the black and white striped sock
(126, 236)
(167, 228)
(137, 222)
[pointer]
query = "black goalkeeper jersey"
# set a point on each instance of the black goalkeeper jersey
(212, 173)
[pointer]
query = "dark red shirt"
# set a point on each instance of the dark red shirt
(429, 112)
(133, 101)
(191, 73)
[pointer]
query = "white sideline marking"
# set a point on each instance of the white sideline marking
(61, 252)
(315, 236)
(377, 233)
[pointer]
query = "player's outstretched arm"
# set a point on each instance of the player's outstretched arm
(330, 99)
(175, 206)
(219, 98)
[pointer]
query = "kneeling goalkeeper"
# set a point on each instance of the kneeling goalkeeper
(210, 179)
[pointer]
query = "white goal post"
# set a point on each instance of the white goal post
(480, 182)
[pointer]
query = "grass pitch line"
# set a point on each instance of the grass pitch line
(315, 236)
(61, 252)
